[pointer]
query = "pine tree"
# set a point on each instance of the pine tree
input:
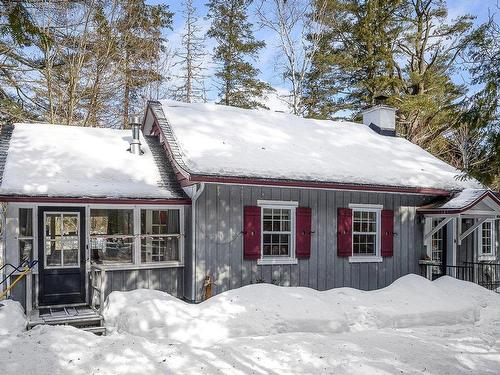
(191, 57)
(355, 60)
(236, 44)
(140, 29)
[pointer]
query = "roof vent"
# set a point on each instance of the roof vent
(381, 118)
(135, 145)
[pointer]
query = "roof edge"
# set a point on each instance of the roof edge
(440, 210)
(93, 200)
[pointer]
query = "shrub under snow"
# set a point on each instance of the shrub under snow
(264, 309)
(12, 318)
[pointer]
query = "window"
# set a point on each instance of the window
(160, 236)
(25, 234)
(61, 239)
(365, 232)
(487, 239)
(437, 243)
(278, 232)
(112, 235)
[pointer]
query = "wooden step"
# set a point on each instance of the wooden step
(82, 317)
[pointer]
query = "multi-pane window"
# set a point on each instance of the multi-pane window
(61, 239)
(112, 235)
(25, 234)
(365, 232)
(437, 243)
(160, 236)
(486, 238)
(276, 232)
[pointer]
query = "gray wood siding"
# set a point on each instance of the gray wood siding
(219, 244)
(170, 280)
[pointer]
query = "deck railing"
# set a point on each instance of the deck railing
(486, 274)
(98, 281)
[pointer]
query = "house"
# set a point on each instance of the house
(209, 198)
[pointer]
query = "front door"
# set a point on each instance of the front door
(61, 255)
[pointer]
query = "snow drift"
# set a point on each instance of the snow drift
(265, 309)
(12, 318)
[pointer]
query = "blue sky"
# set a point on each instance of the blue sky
(267, 57)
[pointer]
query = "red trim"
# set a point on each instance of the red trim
(317, 185)
(185, 178)
(441, 211)
(19, 198)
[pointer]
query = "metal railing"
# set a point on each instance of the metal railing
(24, 269)
(486, 274)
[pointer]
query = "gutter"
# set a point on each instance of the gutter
(195, 197)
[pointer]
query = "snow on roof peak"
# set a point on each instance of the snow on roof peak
(234, 142)
(60, 160)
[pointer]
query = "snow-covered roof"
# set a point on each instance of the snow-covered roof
(226, 141)
(70, 161)
(464, 200)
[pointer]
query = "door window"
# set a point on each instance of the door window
(61, 239)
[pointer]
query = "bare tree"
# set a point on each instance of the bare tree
(191, 58)
(298, 25)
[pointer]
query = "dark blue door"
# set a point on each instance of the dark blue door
(61, 254)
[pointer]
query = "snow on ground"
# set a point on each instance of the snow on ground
(263, 309)
(347, 332)
(12, 318)
(229, 141)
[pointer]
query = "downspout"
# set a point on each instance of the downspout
(193, 238)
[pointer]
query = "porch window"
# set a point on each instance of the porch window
(437, 243)
(160, 236)
(486, 238)
(365, 231)
(112, 235)
(25, 234)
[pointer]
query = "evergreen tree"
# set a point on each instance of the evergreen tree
(191, 58)
(140, 29)
(355, 60)
(474, 140)
(236, 44)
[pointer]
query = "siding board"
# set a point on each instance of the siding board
(223, 213)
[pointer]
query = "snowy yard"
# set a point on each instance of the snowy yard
(413, 326)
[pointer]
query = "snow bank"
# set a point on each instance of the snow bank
(265, 309)
(12, 318)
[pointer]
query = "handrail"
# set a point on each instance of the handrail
(26, 263)
(28, 266)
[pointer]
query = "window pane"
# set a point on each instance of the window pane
(53, 250)
(112, 250)
(25, 250)
(52, 225)
(26, 222)
(160, 222)
(111, 222)
(70, 225)
(159, 249)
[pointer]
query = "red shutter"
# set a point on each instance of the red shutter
(344, 232)
(387, 241)
(303, 233)
(251, 232)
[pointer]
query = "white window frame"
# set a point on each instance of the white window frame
(136, 256)
(481, 254)
(173, 263)
(80, 249)
(376, 258)
(270, 260)
(33, 230)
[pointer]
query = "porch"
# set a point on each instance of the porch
(461, 238)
